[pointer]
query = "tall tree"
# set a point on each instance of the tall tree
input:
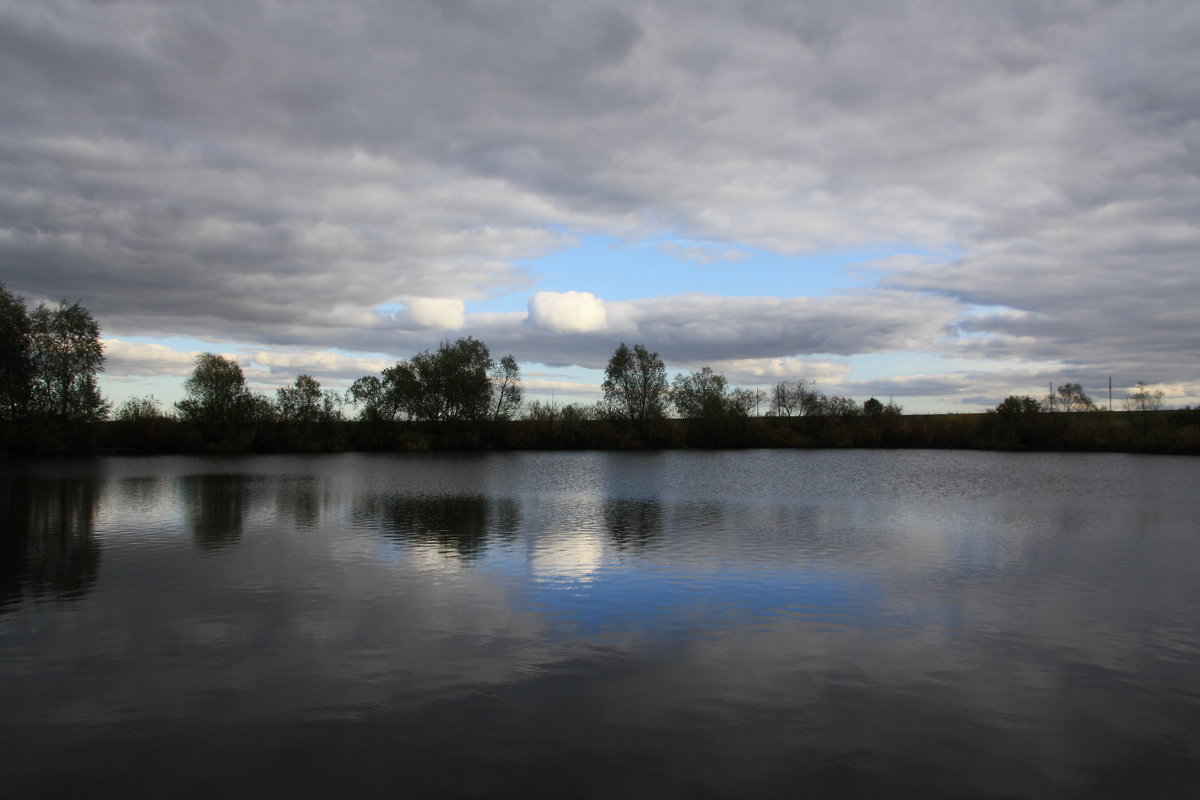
(466, 366)
(216, 393)
(635, 385)
(784, 401)
(67, 354)
(383, 398)
(301, 402)
(741, 402)
(451, 384)
(506, 388)
(16, 365)
(369, 393)
(306, 413)
(701, 395)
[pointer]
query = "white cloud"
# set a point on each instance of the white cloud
(434, 313)
(317, 364)
(764, 371)
(124, 358)
(542, 386)
(567, 312)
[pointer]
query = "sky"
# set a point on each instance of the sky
(939, 203)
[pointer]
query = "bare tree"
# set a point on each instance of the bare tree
(797, 397)
(836, 406)
(135, 409)
(1143, 399)
(506, 387)
(784, 400)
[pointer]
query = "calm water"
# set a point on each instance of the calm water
(741, 624)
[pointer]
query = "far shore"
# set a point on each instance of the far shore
(1164, 432)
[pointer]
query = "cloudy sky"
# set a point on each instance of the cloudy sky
(939, 202)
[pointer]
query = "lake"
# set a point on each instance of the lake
(602, 624)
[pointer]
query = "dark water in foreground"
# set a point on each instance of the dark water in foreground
(741, 624)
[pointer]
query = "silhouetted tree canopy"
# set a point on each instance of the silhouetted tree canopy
(458, 382)
(300, 402)
(836, 406)
(635, 385)
(706, 395)
(377, 397)
(452, 383)
(1071, 397)
(1014, 406)
(699, 395)
(216, 390)
(67, 355)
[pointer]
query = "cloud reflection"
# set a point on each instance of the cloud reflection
(572, 556)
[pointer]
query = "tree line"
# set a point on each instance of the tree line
(459, 395)
(1071, 398)
(451, 394)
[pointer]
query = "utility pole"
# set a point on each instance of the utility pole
(1110, 392)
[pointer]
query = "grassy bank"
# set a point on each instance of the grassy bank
(1176, 431)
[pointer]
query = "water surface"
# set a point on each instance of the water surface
(728, 624)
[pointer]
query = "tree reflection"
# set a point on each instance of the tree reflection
(506, 517)
(47, 538)
(215, 506)
(632, 522)
(300, 499)
(457, 525)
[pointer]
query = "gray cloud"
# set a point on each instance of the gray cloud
(272, 174)
(697, 328)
